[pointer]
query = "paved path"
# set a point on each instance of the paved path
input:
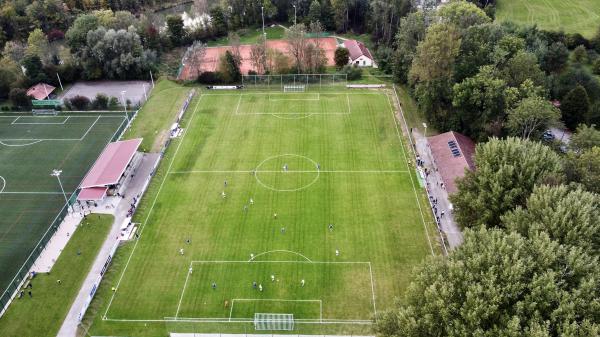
(446, 222)
(134, 187)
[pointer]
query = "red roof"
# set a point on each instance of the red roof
(40, 91)
(452, 153)
(92, 193)
(111, 164)
(357, 49)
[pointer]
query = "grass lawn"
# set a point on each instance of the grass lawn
(345, 166)
(575, 16)
(414, 117)
(43, 314)
(156, 116)
(250, 36)
(30, 148)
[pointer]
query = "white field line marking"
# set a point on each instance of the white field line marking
(292, 171)
(410, 175)
(152, 207)
(44, 123)
(291, 93)
(90, 128)
(235, 320)
(373, 291)
(294, 113)
(24, 144)
(279, 251)
(348, 100)
(3, 184)
(16, 119)
(296, 99)
(238, 105)
(281, 261)
(183, 291)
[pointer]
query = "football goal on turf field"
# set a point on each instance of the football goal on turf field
(266, 321)
(294, 88)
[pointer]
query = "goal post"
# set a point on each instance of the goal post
(267, 321)
(294, 88)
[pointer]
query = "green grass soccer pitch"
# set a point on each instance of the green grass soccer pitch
(577, 16)
(30, 148)
(294, 163)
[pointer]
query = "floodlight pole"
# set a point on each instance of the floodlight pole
(144, 88)
(151, 78)
(60, 82)
(124, 105)
(425, 126)
(294, 14)
(57, 173)
(262, 13)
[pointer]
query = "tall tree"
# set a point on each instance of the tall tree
(507, 171)
(77, 34)
(341, 57)
(175, 28)
(584, 168)
(585, 138)
(193, 57)
(258, 56)
(314, 13)
(411, 32)
(498, 284)
(296, 39)
(570, 217)
(37, 44)
(521, 67)
(575, 107)
(531, 117)
(229, 68)
(462, 14)
(480, 103)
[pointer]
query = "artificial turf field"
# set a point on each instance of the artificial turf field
(345, 167)
(575, 16)
(30, 199)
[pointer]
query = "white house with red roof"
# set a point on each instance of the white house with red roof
(359, 54)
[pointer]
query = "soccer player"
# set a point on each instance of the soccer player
(337, 252)
(190, 270)
(260, 287)
(331, 227)
(318, 167)
(245, 208)
(223, 195)
(251, 201)
(282, 230)
(272, 278)
(225, 183)
(254, 284)
(274, 215)
(181, 251)
(302, 283)
(214, 286)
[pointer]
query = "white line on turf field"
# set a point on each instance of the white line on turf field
(295, 99)
(238, 105)
(66, 118)
(282, 261)
(348, 100)
(236, 320)
(24, 144)
(3, 184)
(279, 251)
(16, 119)
(88, 130)
(373, 291)
(49, 193)
(291, 171)
(183, 290)
(152, 206)
(410, 175)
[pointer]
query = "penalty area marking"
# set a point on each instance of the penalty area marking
(31, 142)
(66, 118)
(226, 320)
(318, 98)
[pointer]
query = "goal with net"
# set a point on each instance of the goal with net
(44, 112)
(294, 88)
(266, 321)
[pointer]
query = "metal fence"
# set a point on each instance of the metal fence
(310, 81)
(22, 274)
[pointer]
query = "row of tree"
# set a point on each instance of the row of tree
(529, 262)
(481, 78)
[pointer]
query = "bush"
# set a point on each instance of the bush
(596, 67)
(113, 103)
(353, 73)
(209, 77)
(19, 97)
(55, 34)
(575, 40)
(79, 103)
(100, 102)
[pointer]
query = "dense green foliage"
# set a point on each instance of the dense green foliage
(507, 171)
(499, 284)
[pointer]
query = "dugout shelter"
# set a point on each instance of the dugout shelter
(109, 170)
